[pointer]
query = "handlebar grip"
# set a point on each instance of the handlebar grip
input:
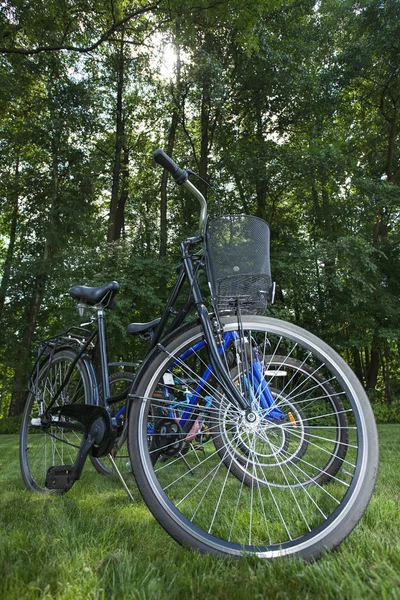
(161, 158)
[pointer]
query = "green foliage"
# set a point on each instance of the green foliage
(10, 425)
(289, 109)
(385, 413)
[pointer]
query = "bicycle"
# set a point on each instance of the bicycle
(64, 377)
(290, 458)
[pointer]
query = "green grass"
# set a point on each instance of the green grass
(94, 544)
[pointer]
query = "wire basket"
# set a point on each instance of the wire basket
(238, 266)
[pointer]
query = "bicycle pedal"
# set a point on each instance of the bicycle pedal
(60, 477)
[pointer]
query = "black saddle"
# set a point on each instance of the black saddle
(143, 329)
(96, 295)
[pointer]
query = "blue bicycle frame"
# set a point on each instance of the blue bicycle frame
(262, 399)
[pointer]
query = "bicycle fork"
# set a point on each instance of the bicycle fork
(217, 367)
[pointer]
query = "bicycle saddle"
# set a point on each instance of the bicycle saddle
(142, 328)
(95, 295)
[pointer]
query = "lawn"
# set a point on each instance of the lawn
(94, 544)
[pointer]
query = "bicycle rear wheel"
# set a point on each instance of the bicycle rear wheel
(294, 485)
(43, 445)
(296, 386)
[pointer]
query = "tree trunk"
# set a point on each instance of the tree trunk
(261, 181)
(391, 172)
(386, 374)
(176, 95)
(207, 123)
(164, 179)
(22, 370)
(120, 216)
(149, 228)
(13, 233)
(242, 194)
(358, 365)
(204, 125)
(119, 143)
(373, 369)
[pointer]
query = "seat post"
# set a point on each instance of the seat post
(105, 380)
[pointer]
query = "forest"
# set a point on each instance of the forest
(289, 108)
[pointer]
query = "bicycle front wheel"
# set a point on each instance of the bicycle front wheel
(291, 478)
(43, 444)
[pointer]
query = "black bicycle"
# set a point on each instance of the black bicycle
(284, 458)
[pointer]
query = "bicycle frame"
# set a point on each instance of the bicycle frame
(264, 399)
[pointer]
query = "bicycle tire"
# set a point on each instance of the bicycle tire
(42, 447)
(203, 505)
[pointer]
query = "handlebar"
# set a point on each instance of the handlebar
(181, 178)
(180, 175)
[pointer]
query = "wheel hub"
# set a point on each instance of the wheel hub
(250, 422)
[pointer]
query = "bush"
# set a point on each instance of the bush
(386, 413)
(10, 424)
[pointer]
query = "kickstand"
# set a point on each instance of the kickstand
(195, 452)
(186, 462)
(198, 449)
(120, 476)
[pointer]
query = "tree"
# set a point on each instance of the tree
(34, 28)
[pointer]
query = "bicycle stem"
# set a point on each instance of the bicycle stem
(203, 204)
